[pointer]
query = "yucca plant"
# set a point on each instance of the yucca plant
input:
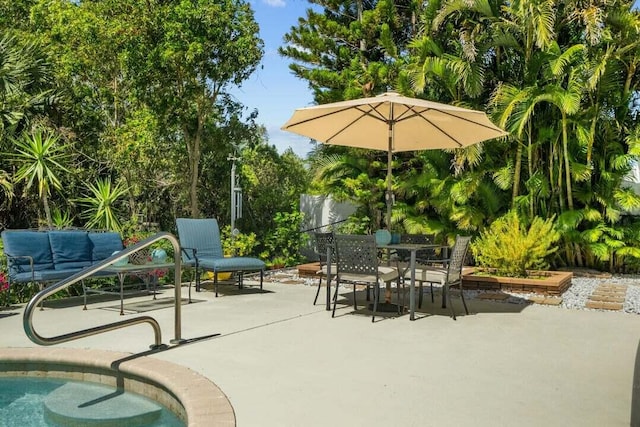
(101, 207)
(512, 247)
(61, 218)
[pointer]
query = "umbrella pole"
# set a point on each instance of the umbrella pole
(389, 195)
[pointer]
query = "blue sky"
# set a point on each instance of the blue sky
(272, 89)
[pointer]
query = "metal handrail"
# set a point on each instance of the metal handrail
(27, 319)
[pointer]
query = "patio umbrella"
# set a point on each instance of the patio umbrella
(392, 123)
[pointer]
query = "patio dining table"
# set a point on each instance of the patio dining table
(413, 248)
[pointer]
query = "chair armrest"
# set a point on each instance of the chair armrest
(10, 259)
(194, 253)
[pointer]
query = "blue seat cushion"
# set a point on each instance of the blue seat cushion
(70, 249)
(231, 264)
(104, 244)
(27, 242)
(50, 275)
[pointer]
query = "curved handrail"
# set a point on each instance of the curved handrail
(27, 319)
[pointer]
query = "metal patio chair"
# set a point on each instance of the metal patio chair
(323, 241)
(356, 259)
(450, 274)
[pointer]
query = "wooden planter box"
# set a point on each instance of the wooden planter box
(309, 270)
(546, 282)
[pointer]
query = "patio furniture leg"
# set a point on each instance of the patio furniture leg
(84, 294)
(261, 277)
(190, 281)
(464, 303)
(197, 277)
(376, 297)
(215, 282)
(318, 290)
(453, 313)
(335, 297)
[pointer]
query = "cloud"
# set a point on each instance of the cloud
(275, 3)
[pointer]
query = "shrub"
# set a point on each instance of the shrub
(512, 248)
(284, 242)
(240, 245)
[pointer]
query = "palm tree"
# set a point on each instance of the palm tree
(40, 157)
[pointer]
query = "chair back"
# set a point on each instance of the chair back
(356, 254)
(421, 255)
(456, 260)
(200, 234)
(323, 241)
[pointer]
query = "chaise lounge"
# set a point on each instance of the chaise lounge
(202, 249)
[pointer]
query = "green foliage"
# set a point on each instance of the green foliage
(61, 218)
(271, 183)
(242, 244)
(41, 156)
(101, 206)
(284, 241)
(355, 224)
(512, 248)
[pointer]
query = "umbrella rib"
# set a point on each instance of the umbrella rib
(365, 112)
(419, 114)
(322, 116)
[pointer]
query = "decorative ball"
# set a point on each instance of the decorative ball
(158, 256)
(383, 237)
(121, 261)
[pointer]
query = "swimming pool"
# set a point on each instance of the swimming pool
(44, 402)
(194, 399)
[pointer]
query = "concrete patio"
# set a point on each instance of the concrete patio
(283, 362)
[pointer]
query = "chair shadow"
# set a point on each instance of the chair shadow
(3, 315)
(504, 303)
(78, 301)
(229, 288)
(344, 305)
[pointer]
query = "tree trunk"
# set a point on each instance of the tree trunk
(567, 169)
(532, 197)
(193, 179)
(47, 210)
(516, 174)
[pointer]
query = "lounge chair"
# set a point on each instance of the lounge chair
(202, 249)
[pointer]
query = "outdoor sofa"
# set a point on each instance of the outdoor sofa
(43, 256)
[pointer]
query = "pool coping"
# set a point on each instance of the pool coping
(198, 399)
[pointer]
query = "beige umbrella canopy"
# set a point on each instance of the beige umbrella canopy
(392, 123)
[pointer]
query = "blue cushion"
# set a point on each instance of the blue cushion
(27, 242)
(70, 249)
(104, 244)
(232, 264)
(57, 274)
(43, 275)
(202, 234)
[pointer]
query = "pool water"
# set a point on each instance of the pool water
(22, 401)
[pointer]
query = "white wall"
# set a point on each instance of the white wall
(319, 212)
